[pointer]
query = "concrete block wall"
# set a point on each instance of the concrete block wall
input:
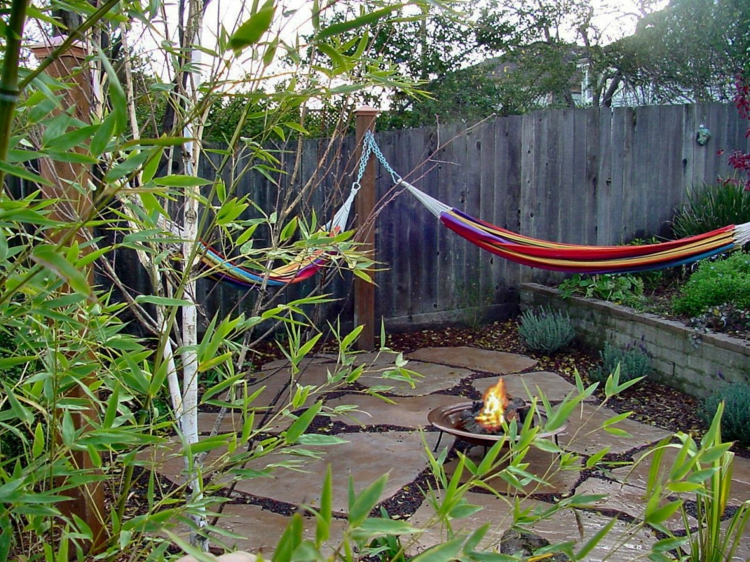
(683, 358)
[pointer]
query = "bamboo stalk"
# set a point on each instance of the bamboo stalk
(9, 88)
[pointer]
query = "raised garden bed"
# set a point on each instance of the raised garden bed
(684, 358)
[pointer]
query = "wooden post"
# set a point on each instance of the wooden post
(364, 292)
(72, 205)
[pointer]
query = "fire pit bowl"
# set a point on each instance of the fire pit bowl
(448, 419)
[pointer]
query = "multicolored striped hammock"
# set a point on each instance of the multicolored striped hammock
(302, 267)
(573, 258)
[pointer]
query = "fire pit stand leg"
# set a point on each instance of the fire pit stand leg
(440, 437)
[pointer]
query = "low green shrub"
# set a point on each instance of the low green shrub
(711, 207)
(633, 359)
(622, 289)
(545, 330)
(735, 424)
(714, 283)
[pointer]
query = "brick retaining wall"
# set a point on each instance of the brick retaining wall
(682, 358)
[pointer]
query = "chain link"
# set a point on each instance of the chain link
(375, 149)
(369, 146)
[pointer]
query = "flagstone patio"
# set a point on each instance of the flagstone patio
(387, 440)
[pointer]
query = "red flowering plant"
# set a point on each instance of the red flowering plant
(739, 160)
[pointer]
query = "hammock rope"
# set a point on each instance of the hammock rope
(573, 258)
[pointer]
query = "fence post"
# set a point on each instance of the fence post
(364, 292)
(72, 205)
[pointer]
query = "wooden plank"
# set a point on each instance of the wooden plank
(567, 193)
(489, 153)
(587, 126)
(687, 135)
(671, 179)
(511, 272)
(549, 224)
(604, 190)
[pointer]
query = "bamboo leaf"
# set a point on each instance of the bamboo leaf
(23, 173)
(103, 135)
(112, 404)
(161, 301)
(119, 100)
(319, 440)
(39, 441)
(250, 32)
(444, 552)
(48, 256)
(72, 138)
(366, 19)
(366, 500)
(180, 180)
(302, 423)
(661, 514)
(289, 541)
(325, 513)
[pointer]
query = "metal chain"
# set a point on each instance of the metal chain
(369, 146)
(375, 149)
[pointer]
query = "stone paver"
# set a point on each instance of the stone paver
(542, 465)
(166, 458)
(233, 421)
(525, 386)
(585, 435)
(630, 545)
(406, 412)
(365, 457)
(259, 530)
(433, 379)
(274, 381)
(497, 362)
(560, 528)
(307, 361)
(625, 498)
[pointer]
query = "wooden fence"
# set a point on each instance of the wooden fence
(588, 176)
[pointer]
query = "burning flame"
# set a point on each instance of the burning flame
(493, 408)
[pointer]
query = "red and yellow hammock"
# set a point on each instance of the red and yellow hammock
(574, 258)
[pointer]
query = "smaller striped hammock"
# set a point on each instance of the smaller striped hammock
(574, 258)
(300, 268)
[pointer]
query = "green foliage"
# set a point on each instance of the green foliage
(470, 297)
(633, 362)
(545, 330)
(66, 354)
(624, 289)
(688, 51)
(736, 419)
(711, 207)
(705, 470)
(716, 282)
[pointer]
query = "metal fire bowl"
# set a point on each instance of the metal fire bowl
(447, 418)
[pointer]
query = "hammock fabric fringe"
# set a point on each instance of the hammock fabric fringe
(572, 258)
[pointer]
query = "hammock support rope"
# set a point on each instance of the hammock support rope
(573, 258)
